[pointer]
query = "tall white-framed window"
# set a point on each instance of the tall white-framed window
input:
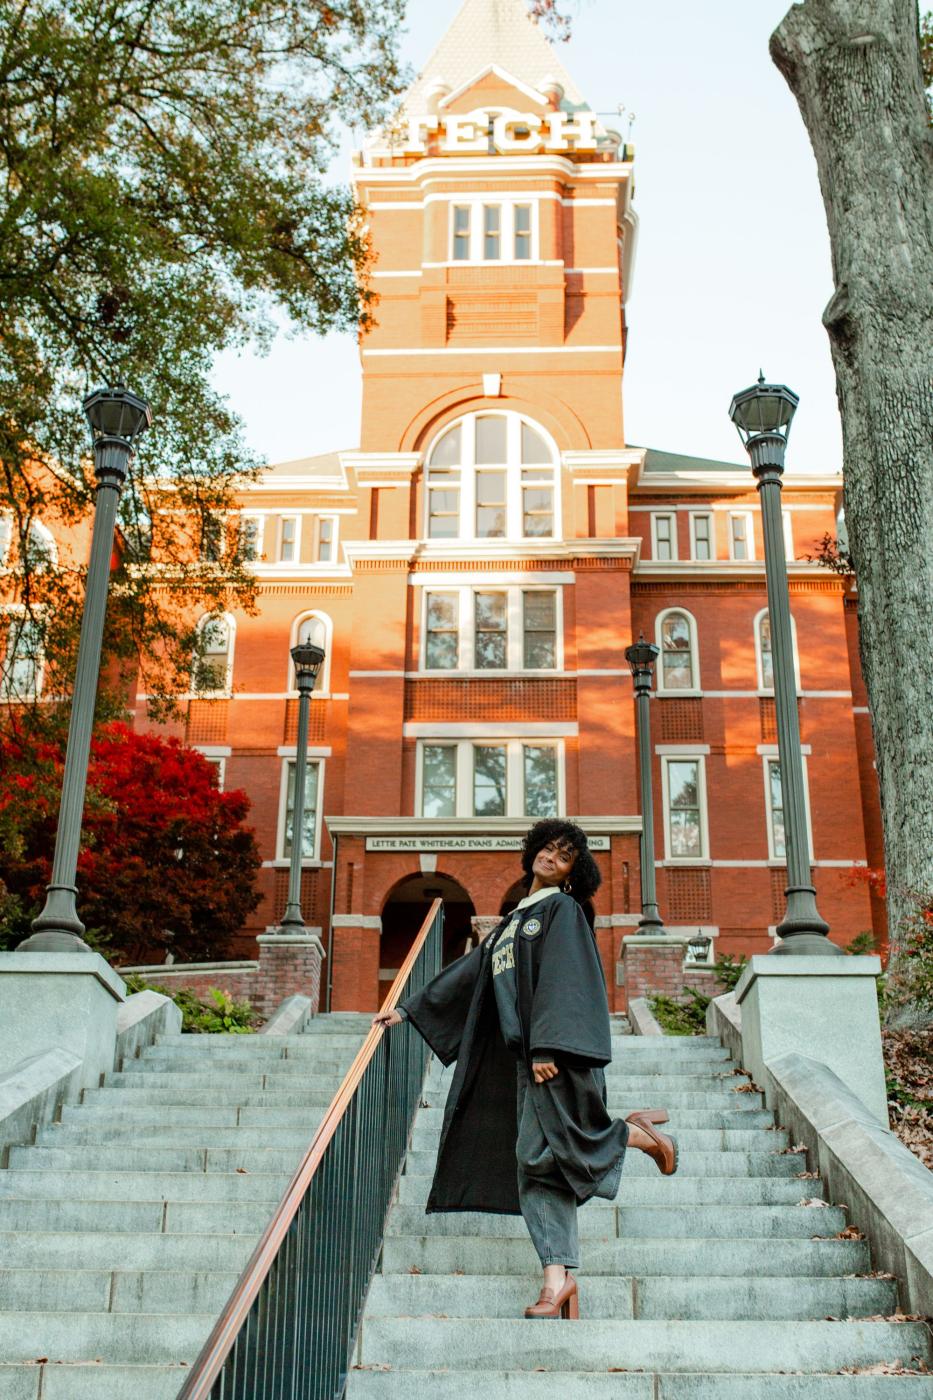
(502, 230)
(212, 673)
(702, 538)
(325, 539)
(492, 476)
(686, 826)
(491, 629)
(663, 535)
(22, 664)
(289, 533)
(787, 524)
(764, 657)
(315, 627)
(490, 777)
(220, 767)
(679, 662)
(41, 549)
(6, 538)
(311, 823)
(211, 541)
(741, 535)
(774, 806)
(250, 537)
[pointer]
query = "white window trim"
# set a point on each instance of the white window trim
(768, 691)
(666, 761)
(787, 525)
(672, 517)
(513, 480)
(46, 539)
(220, 763)
(515, 776)
(227, 689)
(260, 520)
(8, 610)
(749, 518)
(335, 542)
(515, 633)
(322, 689)
(507, 204)
(679, 692)
(692, 518)
(287, 563)
(6, 518)
(770, 757)
(315, 856)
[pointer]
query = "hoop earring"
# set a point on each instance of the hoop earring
(567, 887)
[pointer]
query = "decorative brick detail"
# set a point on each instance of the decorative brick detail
(495, 700)
(768, 717)
(652, 966)
(206, 722)
(681, 720)
(288, 965)
(778, 886)
(477, 317)
(310, 881)
(316, 722)
(689, 896)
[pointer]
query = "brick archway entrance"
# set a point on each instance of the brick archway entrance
(404, 910)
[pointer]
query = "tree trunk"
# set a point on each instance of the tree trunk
(854, 67)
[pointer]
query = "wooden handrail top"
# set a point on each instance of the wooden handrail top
(213, 1354)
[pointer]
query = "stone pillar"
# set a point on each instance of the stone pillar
(825, 1008)
(483, 925)
(355, 942)
(64, 1000)
(653, 962)
(289, 965)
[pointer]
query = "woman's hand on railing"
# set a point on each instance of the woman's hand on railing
(387, 1018)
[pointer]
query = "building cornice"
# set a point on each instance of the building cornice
(484, 167)
(491, 553)
(736, 479)
(700, 569)
(469, 826)
(401, 464)
(602, 459)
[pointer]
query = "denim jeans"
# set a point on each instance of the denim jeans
(549, 1213)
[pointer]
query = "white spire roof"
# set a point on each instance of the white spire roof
(486, 32)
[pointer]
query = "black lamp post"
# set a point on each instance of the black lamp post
(117, 418)
(641, 657)
(763, 415)
(699, 945)
(307, 660)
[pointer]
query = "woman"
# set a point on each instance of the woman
(532, 995)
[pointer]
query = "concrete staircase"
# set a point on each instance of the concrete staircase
(716, 1284)
(125, 1227)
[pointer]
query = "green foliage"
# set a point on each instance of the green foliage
(926, 58)
(689, 1018)
(728, 970)
(831, 555)
(220, 1015)
(162, 200)
(862, 943)
(909, 989)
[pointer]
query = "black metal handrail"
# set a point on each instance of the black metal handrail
(289, 1326)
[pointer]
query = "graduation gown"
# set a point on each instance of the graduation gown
(564, 1015)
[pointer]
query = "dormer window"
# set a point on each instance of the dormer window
(491, 476)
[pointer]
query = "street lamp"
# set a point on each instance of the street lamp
(699, 945)
(641, 656)
(763, 415)
(307, 660)
(117, 418)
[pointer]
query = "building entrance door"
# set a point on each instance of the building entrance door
(404, 912)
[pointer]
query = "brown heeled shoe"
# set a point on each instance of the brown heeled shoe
(664, 1148)
(564, 1304)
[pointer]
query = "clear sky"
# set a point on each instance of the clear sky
(733, 265)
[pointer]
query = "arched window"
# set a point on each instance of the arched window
(491, 476)
(764, 659)
(40, 546)
(23, 658)
(213, 668)
(313, 627)
(679, 663)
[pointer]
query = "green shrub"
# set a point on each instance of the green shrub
(220, 1015)
(689, 1018)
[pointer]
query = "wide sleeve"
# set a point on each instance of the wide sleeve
(439, 1011)
(569, 1009)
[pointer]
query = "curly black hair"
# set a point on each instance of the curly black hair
(585, 878)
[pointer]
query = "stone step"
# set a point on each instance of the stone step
(693, 1258)
(658, 1190)
(141, 1186)
(258, 1062)
(195, 1134)
(88, 1336)
(661, 1296)
(744, 1118)
(305, 1047)
(115, 1290)
(158, 1217)
(210, 1091)
(97, 1382)
(142, 1074)
(657, 1222)
(116, 1250)
(667, 1345)
(129, 1158)
(425, 1140)
(588, 1385)
(629, 1097)
(221, 1115)
(679, 1076)
(691, 1166)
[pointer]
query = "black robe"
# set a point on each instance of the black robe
(564, 1014)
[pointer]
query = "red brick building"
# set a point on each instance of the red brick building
(477, 565)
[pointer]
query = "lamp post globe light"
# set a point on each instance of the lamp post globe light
(763, 415)
(116, 418)
(641, 657)
(307, 659)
